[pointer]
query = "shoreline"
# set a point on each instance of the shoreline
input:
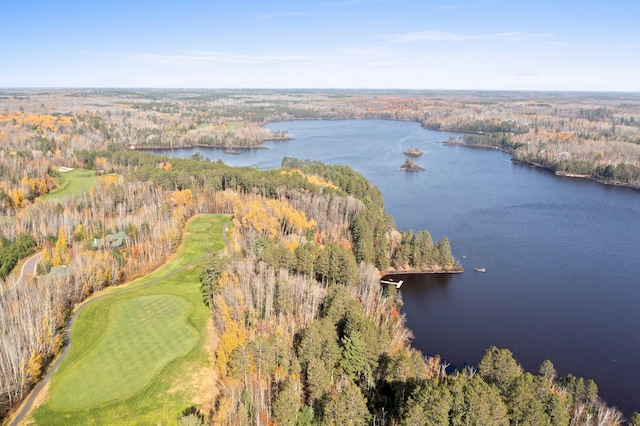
(542, 166)
(259, 145)
(446, 143)
(172, 148)
(470, 145)
(458, 270)
(573, 175)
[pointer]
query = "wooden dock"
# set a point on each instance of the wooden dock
(392, 282)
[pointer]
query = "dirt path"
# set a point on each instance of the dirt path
(26, 407)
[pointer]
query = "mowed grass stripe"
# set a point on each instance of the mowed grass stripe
(75, 181)
(143, 335)
(169, 390)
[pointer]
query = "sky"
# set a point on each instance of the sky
(565, 45)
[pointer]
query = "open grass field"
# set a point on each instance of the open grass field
(203, 126)
(232, 125)
(133, 352)
(73, 182)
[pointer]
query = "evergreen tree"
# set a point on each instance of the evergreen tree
(548, 371)
(475, 402)
(283, 300)
(523, 404)
(211, 270)
(498, 366)
(348, 409)
(428, 405)
(287, 404)
(354, 357)
(445, 256)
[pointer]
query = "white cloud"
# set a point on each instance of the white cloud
(206, 57)
(383, 64)
(453, 37)
(364, 51)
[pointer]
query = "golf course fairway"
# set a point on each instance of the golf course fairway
(138, 352)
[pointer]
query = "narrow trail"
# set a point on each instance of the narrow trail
(26, 407)
(28, 268)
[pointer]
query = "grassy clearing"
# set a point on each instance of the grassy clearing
(73, 182)
(132, 350)
(232, 125)
(143, 335)
(203, 126)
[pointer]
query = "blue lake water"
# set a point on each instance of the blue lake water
(562, 255)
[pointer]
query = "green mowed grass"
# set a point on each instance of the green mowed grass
(143, 334)
(203, 126)
(232, 125)
(75, 181)
(133, 351)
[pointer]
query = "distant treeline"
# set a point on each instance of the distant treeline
(369, 230)
(478, 126)
(500, 137)
(622, 173)
(499, 140)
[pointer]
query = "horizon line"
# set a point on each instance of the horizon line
(360, 89)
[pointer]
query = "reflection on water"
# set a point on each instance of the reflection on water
(423, 287)
(561, 255)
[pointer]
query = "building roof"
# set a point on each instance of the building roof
(113, 240)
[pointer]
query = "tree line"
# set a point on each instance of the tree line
(273, 287)
(33, 314)
(574, 131)
(299, 348)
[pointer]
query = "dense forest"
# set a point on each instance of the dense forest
(584, 134)
(306, 333)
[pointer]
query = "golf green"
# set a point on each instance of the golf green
(138, 352)
(143, 334)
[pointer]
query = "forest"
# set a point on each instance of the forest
(306, 333)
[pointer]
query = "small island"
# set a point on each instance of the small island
(411, 166)
(232, 151)
(413, 152)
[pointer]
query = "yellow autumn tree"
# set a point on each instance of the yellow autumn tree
(183, 198)
(60, 254)
(102, 163)
(33, 366)
(271, 217)
(233, 337)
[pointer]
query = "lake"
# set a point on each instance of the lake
(562, 255)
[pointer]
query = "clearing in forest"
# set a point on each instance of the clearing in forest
(132, 350)
(74, 181)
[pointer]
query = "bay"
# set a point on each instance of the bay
(562, 255)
